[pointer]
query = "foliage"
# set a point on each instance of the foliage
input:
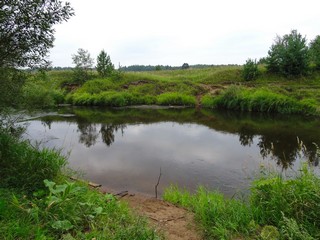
(84, 63)
(24, 167)
(315, 51)
(289, 55)
(278, 208)
(250, 70)
(104, 64)
(26, 28)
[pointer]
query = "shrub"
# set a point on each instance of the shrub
(250, 70)
(289, 55)
(315, 51)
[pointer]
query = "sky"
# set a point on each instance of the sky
(173, 32)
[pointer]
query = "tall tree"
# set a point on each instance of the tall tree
(289, 55)
(104, 64)
(27, 32)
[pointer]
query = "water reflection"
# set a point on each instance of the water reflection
(124, 148)
(278, 136)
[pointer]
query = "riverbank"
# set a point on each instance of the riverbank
(209, 88)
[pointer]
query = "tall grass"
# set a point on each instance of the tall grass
(24, 167)
(260, 100)
(277, 208)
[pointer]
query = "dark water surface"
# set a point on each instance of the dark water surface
(124, 149)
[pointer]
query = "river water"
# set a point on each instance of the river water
(125, 149)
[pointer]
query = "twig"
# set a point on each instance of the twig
(156, 187)
(121, 194)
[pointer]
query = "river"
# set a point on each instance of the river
(126, 148)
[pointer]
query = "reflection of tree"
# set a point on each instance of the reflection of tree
(46, 122)
(246, 136)
(88, 133)
(283, 148)
(107, 132)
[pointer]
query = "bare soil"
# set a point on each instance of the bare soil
(173, 222)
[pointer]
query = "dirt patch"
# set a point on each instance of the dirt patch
(136, 83)
(173, 222)
(208, 89)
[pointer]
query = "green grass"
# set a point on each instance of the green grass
(38, 202)
(277, 208)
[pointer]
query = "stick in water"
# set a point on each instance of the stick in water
(156, 187)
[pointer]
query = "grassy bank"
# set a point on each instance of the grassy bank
(277, 208)
(38, 202)
(213, 87)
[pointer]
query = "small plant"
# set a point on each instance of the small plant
(250, 70)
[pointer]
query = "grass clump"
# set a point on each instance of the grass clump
(277, 208)
(259, 100)
(172, 98)
(219, 217)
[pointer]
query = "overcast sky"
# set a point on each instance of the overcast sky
(172, 32)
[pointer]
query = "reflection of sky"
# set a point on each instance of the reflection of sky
(188, 155)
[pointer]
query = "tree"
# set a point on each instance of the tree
(158, 68)
(315, 51)
(84, 63)
(250, 70)
(27, 32)
(289, 55)
(185, 66)
(104, 65)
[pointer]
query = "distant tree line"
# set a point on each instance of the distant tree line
(144, 68)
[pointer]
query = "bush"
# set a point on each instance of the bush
(37, 95)
(250, 70)
(315, 51)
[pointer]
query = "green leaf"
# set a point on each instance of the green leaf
(98, 210)
(62, 225)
